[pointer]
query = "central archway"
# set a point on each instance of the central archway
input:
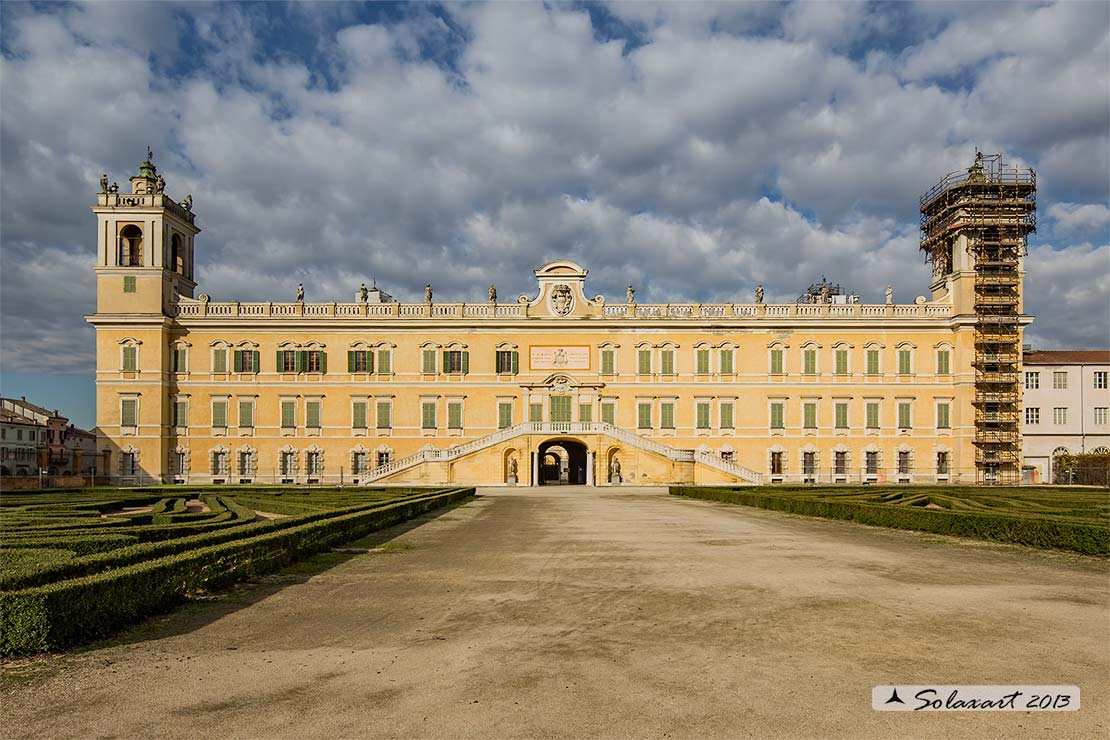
(562, 462)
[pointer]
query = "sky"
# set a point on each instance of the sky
(693, 150)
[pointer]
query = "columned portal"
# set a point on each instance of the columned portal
(563, 462)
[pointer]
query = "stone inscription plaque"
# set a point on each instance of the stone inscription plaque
(559, 358)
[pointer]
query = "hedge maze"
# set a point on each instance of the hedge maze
(77, 566)
(1076, 519)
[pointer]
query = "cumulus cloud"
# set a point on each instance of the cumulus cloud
(692, 149)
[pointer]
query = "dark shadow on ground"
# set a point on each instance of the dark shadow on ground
(203, 610)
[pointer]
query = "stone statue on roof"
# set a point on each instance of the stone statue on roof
(300, 292)
(104, 183)
(427, 292)
(759, 293)
(363, 295)
(492, 293)
(631, 294)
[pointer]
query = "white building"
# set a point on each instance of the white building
(1066, 401)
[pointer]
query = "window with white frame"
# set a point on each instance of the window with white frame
(1100, 380)
(246, 413)
(609, 412)
(385, 360)
(840, 414)
(129, 412)
(944, 361)
(608, 361)
(905, 361)
(872, 414)
(1032, 415)
(455, 415)
(428, 414)
(180, 411)
(702, 411)
(905, 414)
(726, 359)
(809, 360)
(666, 361)
(944, 415)
(666, 414)
(129, 358)
(1060, 415)
(643, 414)
(1032, 381)
(1060, 379)
(727, 412)
(312, 413)
(809, 414)
(359, 415)
(219, 413)
(504, 414)
(701, 361)
(840, 360)
(384, 414)
(776, 361)
(180, 359)
(777, 414)
(872, 357)
(288, 413)
(219, 359)
(1100, 415)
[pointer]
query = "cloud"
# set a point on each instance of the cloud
(1081, 217)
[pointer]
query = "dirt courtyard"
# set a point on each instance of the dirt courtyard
(597, 613)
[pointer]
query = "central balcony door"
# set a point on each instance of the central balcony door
(560, 409)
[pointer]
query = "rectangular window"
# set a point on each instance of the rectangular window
(585, 413)
(727, 421)
(560, 408)
(666, 362)
(455, 361)
(841, 414)
(507, 362)
(129, 412)
(903, 414)
(288, 463)
(246, 414)
(312, 414)
(1059, 416)
(702, 362)
(776, 362)
(777, 415)
(428, 415)
(535, 412)
(643, 415)
(129, 284)
(1032, 381)
(809, 361)
(842, 362)
(609, 413)
(317, 361)
(428, 361)
(608, 363)
(872, 415)
(809, 463)
(904, 364)
(702, 414)
(130, 359)
(942, 463)
(726, 362)
(904, 462)
(871, 462)
(127, 463)
(179, 360)
(219, 414)
(385, 361)
(504, 415)
(287, 360)
(384, 458)
(219, 360)
(944, 411)
(181, 414)
(944, 362)
(643, 359)
(1032, 415)
(776, 463)
(1100, 380)
(246, 361)
(314, 463)
(360, 462)
(666, 415)
(288, 414)
(360, 361)
(1060, 380)
(358, 415)
(384, 415)
(840, 463)
(454, 415)
(872, 362)
(809, 415)
(1100, 415)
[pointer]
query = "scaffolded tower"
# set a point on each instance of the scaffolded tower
(977, 221)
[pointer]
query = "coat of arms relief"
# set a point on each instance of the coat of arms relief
(562, 300)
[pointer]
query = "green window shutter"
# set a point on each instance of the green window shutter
(776, 362)
(607, 362)
(666, 416)
(465, 362)
(585, 413)
(535, 412)
(644, 356)
(454, 416)
(369, 360)
(903, 415)
(609, 413)
(643, 416)
(726, 361)
(129, 411)
(428, 415)
(219, 361)
(288, 414)
(809, 416)
(385, 415)
(279, 362)
(560, 408)
(809, 358)
(726, 416)
(703, 415)
(219, 414)
(350, 361)
(246, 414)
(236, 360)
(129, 358)
(515, 361)
(872, 362)
(446, 367)
(842, 416)
(872, 416)
(323, 361)
(842, 362)
(776, 416)
(667, 362)
(256, 361)
(358, 415)
(504, 415)
(428, 361)
(385, 361)
(703, 362)
(301, 361)
(903, 362)
(312, 414)
(943, 410)
(944, 366)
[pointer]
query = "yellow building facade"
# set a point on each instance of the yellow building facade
(553, 386)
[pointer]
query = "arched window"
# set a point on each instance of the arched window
(131, 246)
(177, 255)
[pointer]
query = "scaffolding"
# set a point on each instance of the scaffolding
(994, 208)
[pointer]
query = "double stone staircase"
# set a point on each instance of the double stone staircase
(702, 457)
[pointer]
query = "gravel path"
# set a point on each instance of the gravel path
(590, 613)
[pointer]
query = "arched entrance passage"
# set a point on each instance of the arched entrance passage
(562, 461)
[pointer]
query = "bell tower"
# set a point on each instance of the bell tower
(144, 255)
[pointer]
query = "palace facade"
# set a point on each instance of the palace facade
(553, 386)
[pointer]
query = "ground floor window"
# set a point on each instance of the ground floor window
(871, 461)
(359, 463)
(219, 462)
(384, 458)
(177, 462)
(244, 462)
(840, 463)
(127, 463)
(288, 463)
(809, 463)
(942, 463)
(776, 463)
(314, 463)
(903, 462)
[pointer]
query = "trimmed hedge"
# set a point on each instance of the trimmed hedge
(1089, 538)
(81, 609)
